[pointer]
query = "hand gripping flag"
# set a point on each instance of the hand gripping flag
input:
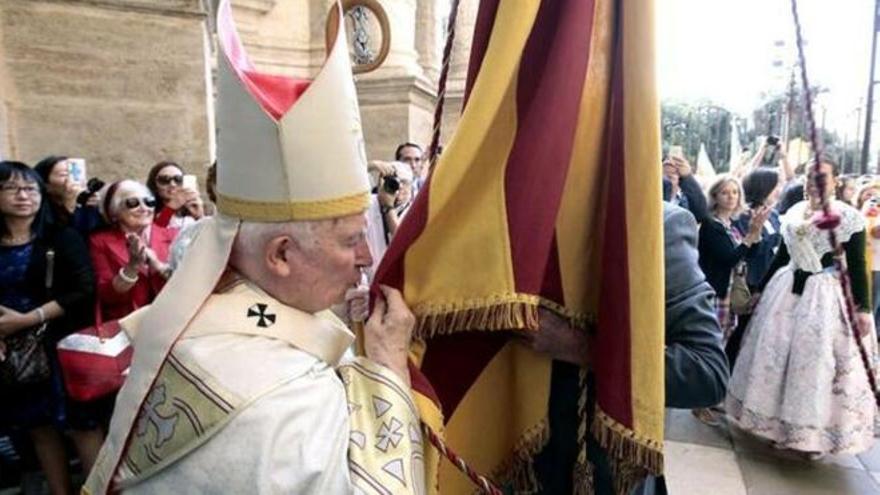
(548, 195)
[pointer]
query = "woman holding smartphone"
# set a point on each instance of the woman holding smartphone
(178, 202)
(70, 203)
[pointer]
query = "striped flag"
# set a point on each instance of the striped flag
(548, 195)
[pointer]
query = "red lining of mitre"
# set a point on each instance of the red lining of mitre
(276, 94)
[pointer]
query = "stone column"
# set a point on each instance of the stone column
(430, 34)
(397, 100)
(121, 83)
(461, 52)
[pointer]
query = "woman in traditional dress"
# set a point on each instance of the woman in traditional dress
(799, 380)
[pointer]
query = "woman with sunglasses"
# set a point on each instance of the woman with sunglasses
(130, 257)
(46, 289)
(177, 207)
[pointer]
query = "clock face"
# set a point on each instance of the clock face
(367, 32)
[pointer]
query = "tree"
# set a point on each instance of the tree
(690, 125)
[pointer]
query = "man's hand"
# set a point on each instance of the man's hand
(357, 303)
(556, 338)
(380, 167)
(386, 199)
(388, 332)
(864, 324)
(683, 166)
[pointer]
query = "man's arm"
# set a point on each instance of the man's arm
(696, 366)
(696, 199)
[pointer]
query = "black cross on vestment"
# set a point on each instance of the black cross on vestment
(259, 311)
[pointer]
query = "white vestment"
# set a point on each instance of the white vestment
(237, 408)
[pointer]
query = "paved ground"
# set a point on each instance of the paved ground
(701, 460)
(725, 461)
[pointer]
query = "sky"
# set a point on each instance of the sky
(724, 50)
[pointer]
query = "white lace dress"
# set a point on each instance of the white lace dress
(799, 380)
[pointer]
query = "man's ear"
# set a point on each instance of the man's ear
(278, 252)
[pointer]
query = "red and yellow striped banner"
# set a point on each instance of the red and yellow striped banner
(548, 195)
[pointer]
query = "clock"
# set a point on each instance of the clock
(367, 31)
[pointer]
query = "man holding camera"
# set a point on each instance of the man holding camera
(395, 195)
(391, 198)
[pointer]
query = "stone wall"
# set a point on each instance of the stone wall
(122, 83)
(126, 83)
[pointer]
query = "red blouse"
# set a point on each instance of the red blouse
(109, 254)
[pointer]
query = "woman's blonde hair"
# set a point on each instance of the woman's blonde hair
(718, 185)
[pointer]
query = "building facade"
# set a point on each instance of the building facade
(127, 83)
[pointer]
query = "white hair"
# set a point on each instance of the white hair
(253, 236)
(125, 186)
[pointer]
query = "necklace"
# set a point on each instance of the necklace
(12, 240)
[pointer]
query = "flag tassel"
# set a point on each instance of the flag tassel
(632, 457)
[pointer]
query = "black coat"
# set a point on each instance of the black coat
(73, 280)
(719, 254)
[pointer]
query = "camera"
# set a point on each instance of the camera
(390, 184)
(772, 140)
(92, 186)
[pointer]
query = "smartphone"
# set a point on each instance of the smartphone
(76, 170)
(190, 182)
(676, 152)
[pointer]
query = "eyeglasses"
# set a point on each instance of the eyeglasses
(164, 180)
(132, 203)
(13, 190)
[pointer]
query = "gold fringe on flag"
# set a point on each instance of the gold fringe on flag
(519, 472)
(632, 457)
(582, 477)
(510, 312)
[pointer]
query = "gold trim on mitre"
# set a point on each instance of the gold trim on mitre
(277, 163)
(265, 211)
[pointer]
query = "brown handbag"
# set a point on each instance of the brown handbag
(740, 295)
(26, 359)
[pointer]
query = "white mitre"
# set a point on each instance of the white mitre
(288, 149)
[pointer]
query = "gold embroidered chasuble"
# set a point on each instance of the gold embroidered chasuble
(261, 397)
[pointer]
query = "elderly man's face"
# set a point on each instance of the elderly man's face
(334, 263)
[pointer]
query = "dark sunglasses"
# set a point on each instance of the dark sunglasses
(132, 203)
(164, 180)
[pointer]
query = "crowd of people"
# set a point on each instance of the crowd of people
(72, 253)
(797, 376)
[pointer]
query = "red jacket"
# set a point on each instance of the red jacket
(163, 216)
(109, 254)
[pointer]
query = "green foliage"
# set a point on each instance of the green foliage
(690, 124)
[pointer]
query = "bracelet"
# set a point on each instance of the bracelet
(126, 278)
(41, 314)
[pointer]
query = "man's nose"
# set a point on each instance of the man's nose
(363, 257)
